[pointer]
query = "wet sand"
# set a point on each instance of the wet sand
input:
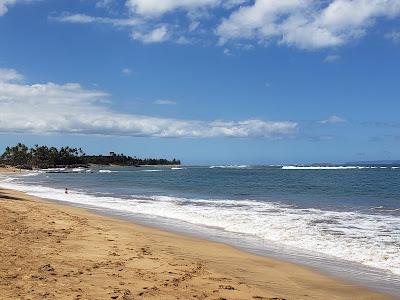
(53, 251)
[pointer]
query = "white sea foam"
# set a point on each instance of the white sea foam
(332, 167)
(6, 179)
(369, 239)
(151, 170)
(29, 174)
(230, 167)
(176, 168)
(54, 170)
(320, 167)
(107, 171)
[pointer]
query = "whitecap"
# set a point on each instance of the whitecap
(107, 171)
(369, 239)
(230, 167)
(321, 167)
(78, 170)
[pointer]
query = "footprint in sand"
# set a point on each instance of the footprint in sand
(227, 287)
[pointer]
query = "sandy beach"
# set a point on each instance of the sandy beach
(53, 251)
(9, 169)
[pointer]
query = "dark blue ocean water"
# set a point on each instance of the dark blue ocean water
(349, 189)
(349, 214)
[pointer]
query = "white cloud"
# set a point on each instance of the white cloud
(104, 3)
(394, 36)
(9, 75)
(4, 6)
(227, 52)
(333, 120)
(165, 102)
(305, 24)
(228, 4)
(332, 58)
(182, 40)
(157, 7)
(255, 20)
(140, 28)
(85, 19)
(126, 72)
(157, 35)
(46, 108)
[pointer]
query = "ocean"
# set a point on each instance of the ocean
(343, 221)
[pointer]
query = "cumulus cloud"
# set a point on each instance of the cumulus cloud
(9, 75)
(165, 102)
(157, 35)
(147, 15)
(4, 6)
(44, 108)
(306, 24)
(333, 120)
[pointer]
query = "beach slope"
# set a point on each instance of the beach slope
(52, 251)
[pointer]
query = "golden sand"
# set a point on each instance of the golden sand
(53, 251)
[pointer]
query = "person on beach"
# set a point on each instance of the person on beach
(66, 190)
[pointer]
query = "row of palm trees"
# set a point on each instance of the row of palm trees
(42, 156)
(50, 157)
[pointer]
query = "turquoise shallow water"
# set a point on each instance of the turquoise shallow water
(348, 215)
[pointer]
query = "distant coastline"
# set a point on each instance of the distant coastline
(40, 157)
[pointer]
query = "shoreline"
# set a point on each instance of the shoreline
(169, 264)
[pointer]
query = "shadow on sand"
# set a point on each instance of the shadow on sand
(6, 196)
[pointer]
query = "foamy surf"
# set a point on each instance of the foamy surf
(229, 167)
(333, 167)
(320, 168)
(107, 171)
(29, 174)
(369, 239)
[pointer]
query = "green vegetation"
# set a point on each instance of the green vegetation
(51, 157)
(123, 160)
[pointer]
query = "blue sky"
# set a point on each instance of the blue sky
(206, 81)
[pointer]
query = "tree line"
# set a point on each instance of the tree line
(22, 156)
